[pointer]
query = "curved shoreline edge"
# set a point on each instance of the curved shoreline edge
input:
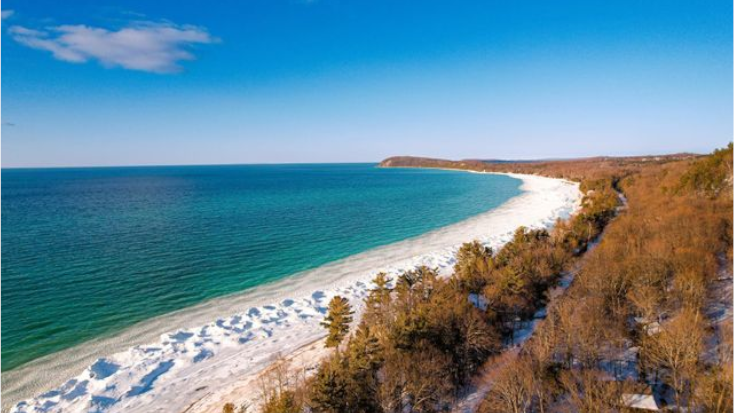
(276, 319)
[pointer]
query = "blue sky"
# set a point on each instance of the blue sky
(201, 82)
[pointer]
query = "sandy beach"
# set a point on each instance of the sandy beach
(197, 359)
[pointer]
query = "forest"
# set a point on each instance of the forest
(624, 306)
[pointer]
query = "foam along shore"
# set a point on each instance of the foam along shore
(204, 364)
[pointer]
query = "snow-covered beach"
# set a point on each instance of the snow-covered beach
(201, 364)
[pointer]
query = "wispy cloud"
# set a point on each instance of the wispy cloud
(6, 13)
(146, 46)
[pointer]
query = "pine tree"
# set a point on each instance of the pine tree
(474, 266)
(328, 390)
(381, 282)
(379, 297)
(337, 320)
(282, 402)
(364, 349)
(364, 357)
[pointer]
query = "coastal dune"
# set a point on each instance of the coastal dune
(202, 364)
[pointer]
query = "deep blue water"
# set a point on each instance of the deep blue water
(88, 251)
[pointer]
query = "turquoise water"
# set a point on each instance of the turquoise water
(89, 251)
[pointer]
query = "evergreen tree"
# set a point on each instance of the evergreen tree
(328, 390)
(364, 358)
(364, 349)
(378, 300)
(282, 402)
(474, 265)
(337, 320)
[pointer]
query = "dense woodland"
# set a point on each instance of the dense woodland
(575, 169)
(642, 315)
(651, 288)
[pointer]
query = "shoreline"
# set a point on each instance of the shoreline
(235, 349)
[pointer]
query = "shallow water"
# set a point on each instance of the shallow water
(87, 252)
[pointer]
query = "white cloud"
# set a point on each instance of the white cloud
(146, 46)
(6, 13)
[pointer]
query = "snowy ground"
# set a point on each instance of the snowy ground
(203, 364)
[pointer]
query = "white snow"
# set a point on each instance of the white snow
(640, 401)
(142, 370)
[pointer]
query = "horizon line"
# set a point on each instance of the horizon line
(481, 159)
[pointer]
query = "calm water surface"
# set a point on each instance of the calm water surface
(89, 251)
